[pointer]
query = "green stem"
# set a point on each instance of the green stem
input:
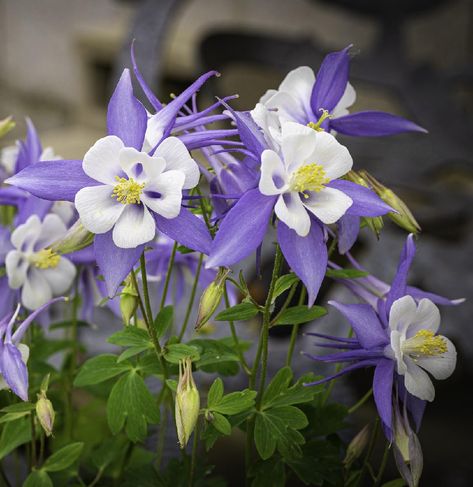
(360, 403)
(295, 331)
(192, 298)
(162, 436)
(126, 459)
(382, 467)
(42, 442)
(97, 477)
(168, 276)
(195, 445)
(33, 441)
(286, 303)
(144, 278)
(371, 444)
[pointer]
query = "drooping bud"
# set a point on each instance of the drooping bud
(76, 238)
(211, 298)
(128, 301)
(404, 217)
(6, 125)
(187, 403)
(375, 224)
(45, 413)
(356, 446)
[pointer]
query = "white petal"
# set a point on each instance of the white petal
(441, 366)
(52, 229)
(177, 157)
(331, 155)
(267, 96)
(101, 161)
(169, 187)
(36, 290)
(418, 382)
(288, 108)
(98, 210)
(273, 174)
(427, 317)
(269, 121)
(328, 205)
(299, 83)
(17, 266)
(135, 226)
(346, 101)
(25, 235)
(140, 166)
(298, 145)
(394, 351)
(60, 277)
(154, 131)
(290, 210)
(402, 314)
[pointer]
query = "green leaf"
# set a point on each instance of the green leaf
(221, 423)
(131, 405)
(269, 473)
(63, 458)
(266, 434)
(38, 478)
(216, 356)
(13, 416)
(19, 407)
(99, 369)
(236, 402)
(172, 384)
(395, 483)
(278, 385)
(293, 417)
(131, 336)
(239, 312)
(163, 320)
(283, 284)
(328, 419)
(14, 434)
(178, 351)
(346, 273)
(300, 314)
(215, 392)
(132, 351)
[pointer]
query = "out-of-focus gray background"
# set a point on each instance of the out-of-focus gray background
(58, 60)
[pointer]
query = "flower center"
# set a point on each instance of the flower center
(425, 344)
(317, 126)
(311, 177)
(45, 259)
(127, 191)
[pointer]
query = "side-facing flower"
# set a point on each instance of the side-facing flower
(35, 268)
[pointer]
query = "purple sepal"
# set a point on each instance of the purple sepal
(157, 105)
(383, 390)
(365, 201)
(415, 405)
(399, 284)
(14, 370)
(348, 230)
(373, 124)
(346, 370)
(331, 81)
(53, 180)
(114, 262)
(197, 140)
(10, 195)
(31, 149)
(32, 206)
(242, 230)
(126, 116)
(307, 256)
(187, 229)
(365, 323)
(418, 294)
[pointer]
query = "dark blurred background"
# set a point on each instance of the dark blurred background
(59, 59)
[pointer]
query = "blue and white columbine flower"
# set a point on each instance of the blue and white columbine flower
(33, 267)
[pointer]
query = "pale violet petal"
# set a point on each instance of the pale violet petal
(60, 278)
(418, 382)
(101, 161)
(328, 205)
(16, 264)
(140, 166)
(273, 174)
(331, 155)
(36, 290)
(164, 196)
(440, 366)
(135, 226)
(402, 314)
(288, 108)
(52, 229)
(98, 210)
(25, 235)
(290, 210)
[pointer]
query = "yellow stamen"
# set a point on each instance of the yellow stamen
(425, 343)
(127, 191)
(317, 126)
(311, 177)
(45, 259)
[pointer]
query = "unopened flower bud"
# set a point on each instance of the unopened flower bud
(404, 217)
(375, 224)
(76, 238)
(356, 446)
(128, 302)
(211, 298)
(187, 403)
(6, 125)
(45, 413)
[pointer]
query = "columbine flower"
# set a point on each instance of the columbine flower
(300, 178)
(33, 267)
(322, 102)
(132, 186)
(13, 354)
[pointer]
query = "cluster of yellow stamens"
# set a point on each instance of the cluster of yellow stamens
(45, 259)
(311, 177)
(127, 191)
(425, 343)
(317, 125)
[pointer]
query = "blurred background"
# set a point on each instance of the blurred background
(60, 58)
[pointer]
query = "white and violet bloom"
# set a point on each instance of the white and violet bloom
(32, 267)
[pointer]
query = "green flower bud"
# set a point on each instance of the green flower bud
(76, 238)
(356, 446)
(45, 413)
(6, 125)
(187, 403)
(128, 302)
(375, 224)
(211, 298)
